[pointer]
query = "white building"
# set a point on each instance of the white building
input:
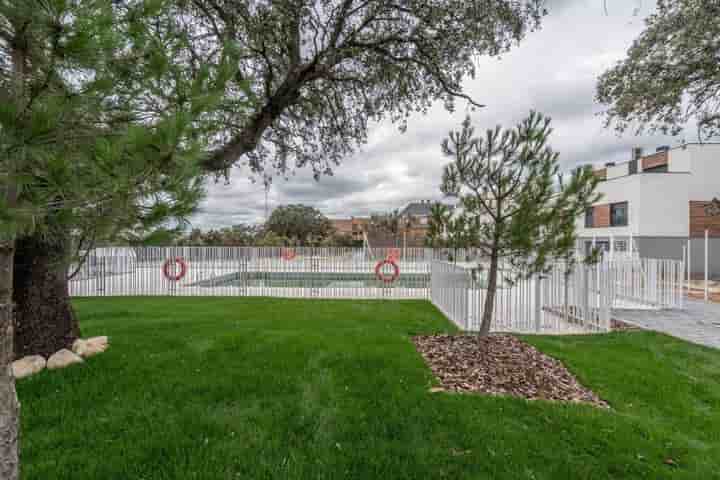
(655, 203)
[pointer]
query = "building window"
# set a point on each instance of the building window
(602, 245)
(657, 169)
(619, 214)
(589, 217)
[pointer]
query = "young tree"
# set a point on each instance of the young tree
(96, 122)
(519, 208)
(461, 233)
(299, 223)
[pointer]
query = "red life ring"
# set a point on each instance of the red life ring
(174, 261)
(287, 254)
(381, 276)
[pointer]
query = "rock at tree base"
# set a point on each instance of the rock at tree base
(90, 346)
(62, 359)
(27, 366)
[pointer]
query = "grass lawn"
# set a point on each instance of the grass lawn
(229, 388)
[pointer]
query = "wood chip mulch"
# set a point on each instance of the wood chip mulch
(620, 326)
(500, 365)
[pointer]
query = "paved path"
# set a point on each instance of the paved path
(699, 322)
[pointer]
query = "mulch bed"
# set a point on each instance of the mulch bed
(500, 365)
(620, 326)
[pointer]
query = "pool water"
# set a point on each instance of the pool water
(313, 280)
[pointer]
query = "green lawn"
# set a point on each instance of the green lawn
(220, 388)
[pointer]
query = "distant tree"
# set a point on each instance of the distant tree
(336, 239)
(671, 75)
(271, 239)
(440, 216)
(301, 224)
(392, 224)
(519, 207)
(386, 224)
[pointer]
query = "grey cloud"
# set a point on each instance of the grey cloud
(553, 71)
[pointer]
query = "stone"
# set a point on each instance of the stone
(90, 346)
(100, 341)
(27, 366)
(79, 347)
(63, 358)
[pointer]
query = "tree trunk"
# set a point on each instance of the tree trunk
(489, 306)
(44, 320)
(9, 405)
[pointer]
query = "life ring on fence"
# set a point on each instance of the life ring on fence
(381, 276)
(174, 261)
(287, 254)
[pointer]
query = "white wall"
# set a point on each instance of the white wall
(679, 160)
(664, 209)
(618, 171)
(659, 202)
(705, 166)
(624, 189)
(657, 205)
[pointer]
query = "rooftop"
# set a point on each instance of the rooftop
(420, 208)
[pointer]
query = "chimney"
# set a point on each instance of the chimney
(637, 153)
(662, 148)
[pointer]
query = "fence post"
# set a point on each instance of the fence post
(538, 310)
(585, 293)
(707, 255)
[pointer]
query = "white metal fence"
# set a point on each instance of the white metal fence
(558, 301)
(580, 301)
(555, 302)
(647, 283)
(326, 272)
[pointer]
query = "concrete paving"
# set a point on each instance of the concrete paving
(698, 322)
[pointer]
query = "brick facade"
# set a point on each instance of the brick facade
(601, 215)
(655, 160)
(353, 227)
(343, 226)
(700, 221)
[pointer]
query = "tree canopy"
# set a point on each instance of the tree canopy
(321, 70)
(102, 120)
(671, 74)
(108, 124)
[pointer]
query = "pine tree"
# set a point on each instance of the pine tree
(516, 203)
(99, 125)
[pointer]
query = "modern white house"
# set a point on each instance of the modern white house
(657, 204)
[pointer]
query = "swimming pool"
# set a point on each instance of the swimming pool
(313, 280)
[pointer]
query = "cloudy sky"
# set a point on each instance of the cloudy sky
(553, 71)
